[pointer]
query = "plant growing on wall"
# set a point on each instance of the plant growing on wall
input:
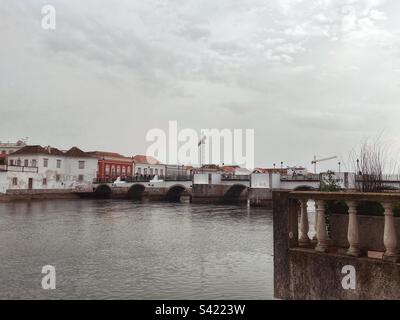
(329, 183)
(371, 160)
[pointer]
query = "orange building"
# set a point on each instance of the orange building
(112, 165)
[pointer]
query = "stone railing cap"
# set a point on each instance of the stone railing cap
(355, 196)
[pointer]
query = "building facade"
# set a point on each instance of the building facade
(145, 166)
(36, 167)
(112, 165)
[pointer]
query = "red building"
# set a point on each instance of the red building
(112, 165)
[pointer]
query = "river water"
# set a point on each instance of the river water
(110, 249)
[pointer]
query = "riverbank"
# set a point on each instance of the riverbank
(27, 195)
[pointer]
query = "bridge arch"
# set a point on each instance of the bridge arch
(136, 192)
(175, 192)
(103, 191)
(305, 188)
(235, 194)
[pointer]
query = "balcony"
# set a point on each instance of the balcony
(347, 229)
(12, 168)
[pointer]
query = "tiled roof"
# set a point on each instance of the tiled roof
(145, 159)
(38, 150)
(229, 168)
(105, 154)
(267, 170)
(76, 152)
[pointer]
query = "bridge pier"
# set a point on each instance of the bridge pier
(219, 194)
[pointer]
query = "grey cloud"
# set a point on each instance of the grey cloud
(310, 69)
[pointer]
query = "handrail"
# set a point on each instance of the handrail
(349, 196)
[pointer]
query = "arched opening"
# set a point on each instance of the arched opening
(235, 194)
(103, 192)
(304, 188)
(136, 192)
(174, 193)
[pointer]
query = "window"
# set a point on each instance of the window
(19, 162)
(81, 164)
(112, 170)
(80, 178)
(161, 172)
(139, 170)
(107, 169)
(44, 182)
(128, 169)
(26, 163)
(14, 181)
(45, 163)
(156, 170)
(151, 171)
(57, 177)
(145, 170)
(11, 162)
(123, 171)
(34, 163)
(118, 170)
(58, 164)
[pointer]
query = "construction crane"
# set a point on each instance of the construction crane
(315, 161)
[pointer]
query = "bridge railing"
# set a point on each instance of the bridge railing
(345, 222)
(235, 177)
(181, 177)
(128, 179)
(300, 177)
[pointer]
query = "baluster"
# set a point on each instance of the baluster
(322, 236)
(304, 227)
(315, 222)
(352, 231)
(389, 234)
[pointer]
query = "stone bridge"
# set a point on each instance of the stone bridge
(256, 189)
(139, 190)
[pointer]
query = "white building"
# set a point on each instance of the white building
(36, 167)
(147, 165)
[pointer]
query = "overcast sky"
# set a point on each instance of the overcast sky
(311, 77)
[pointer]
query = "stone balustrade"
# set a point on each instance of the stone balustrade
(322, 241)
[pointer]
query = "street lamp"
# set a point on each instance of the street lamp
(358, 166)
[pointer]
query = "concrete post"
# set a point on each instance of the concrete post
(352, 230)
(304, 240)
(322, 236)
(389, 234)
(285, 229)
